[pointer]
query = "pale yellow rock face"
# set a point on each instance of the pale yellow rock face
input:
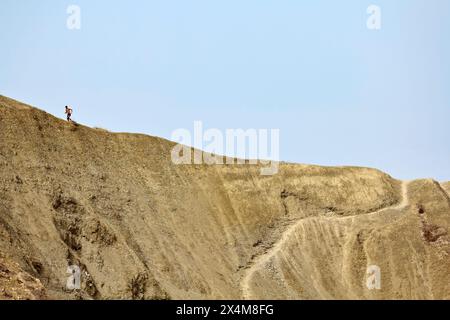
(140, 226)
(446, 187)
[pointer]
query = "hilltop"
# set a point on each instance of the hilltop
(141, 227)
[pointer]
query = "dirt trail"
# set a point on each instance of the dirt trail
(400, 206)
(260, 261)
(142, 227)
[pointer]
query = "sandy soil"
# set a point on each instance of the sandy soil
(141, 227)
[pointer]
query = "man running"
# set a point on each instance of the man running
(69, 112)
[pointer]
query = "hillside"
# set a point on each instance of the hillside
(141, 227)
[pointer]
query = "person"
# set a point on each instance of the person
(69, 112)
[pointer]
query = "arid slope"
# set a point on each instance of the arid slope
(142, 227)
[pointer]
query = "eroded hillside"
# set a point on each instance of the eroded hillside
(141, 227)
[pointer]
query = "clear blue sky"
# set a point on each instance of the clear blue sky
(339, 93)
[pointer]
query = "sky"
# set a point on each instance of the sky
(339, 92)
